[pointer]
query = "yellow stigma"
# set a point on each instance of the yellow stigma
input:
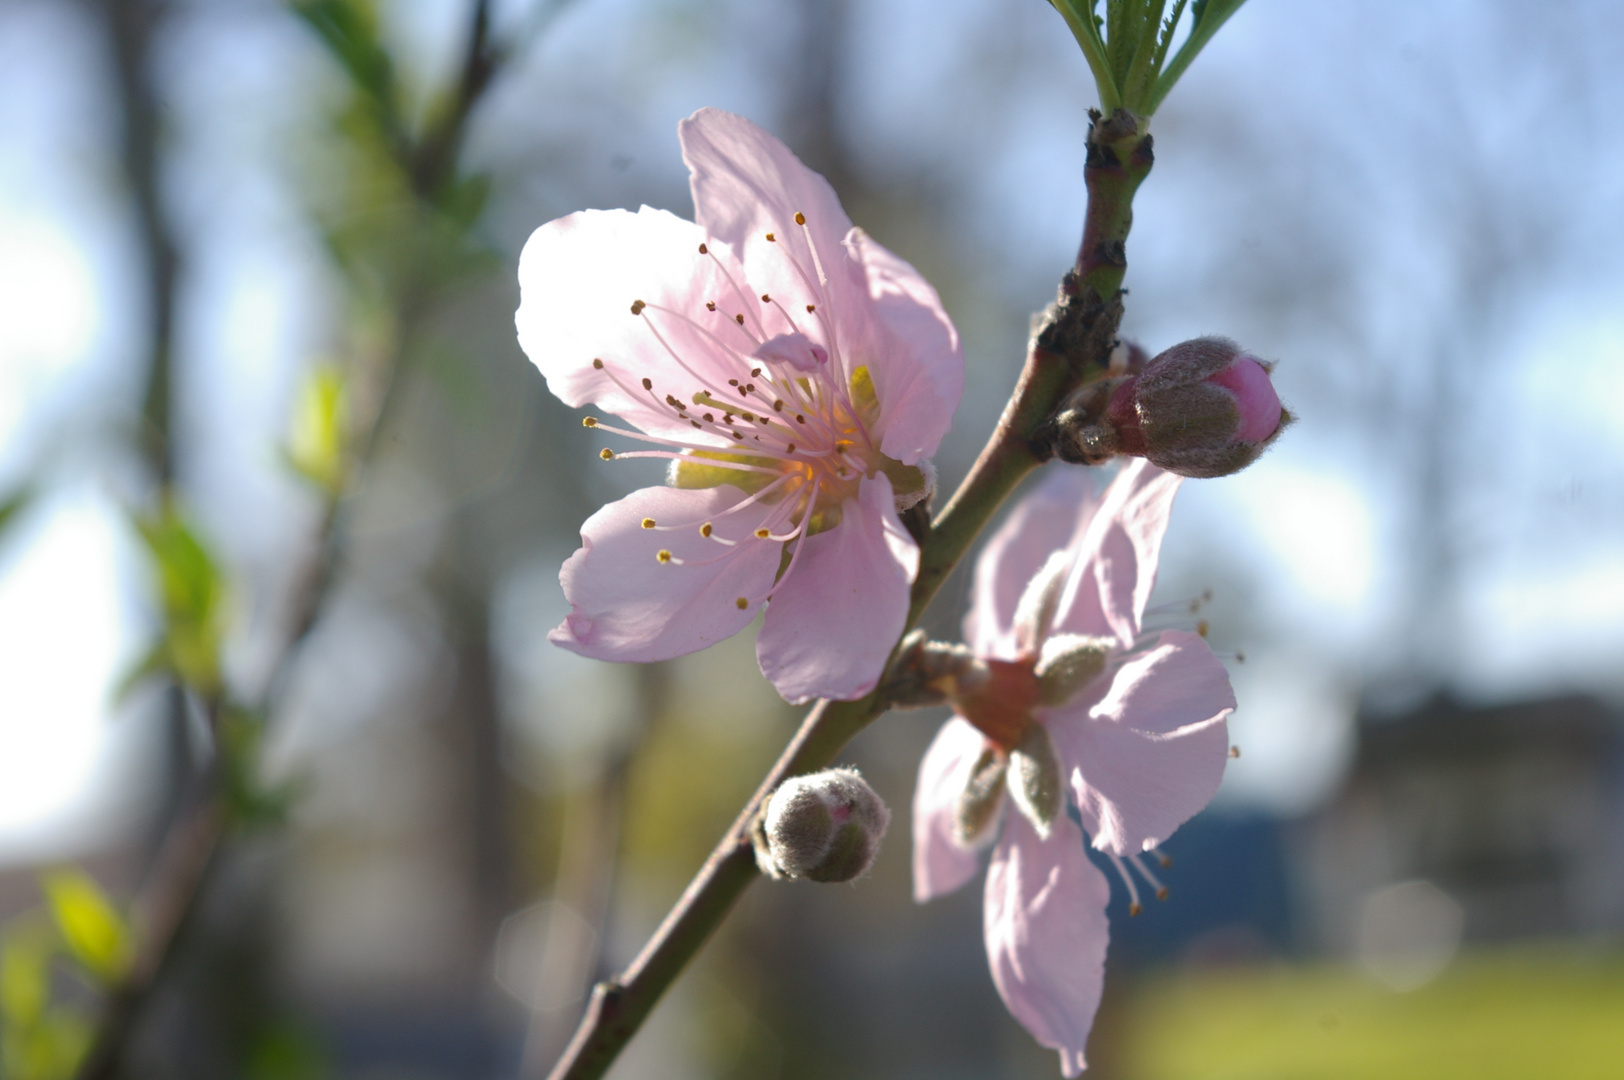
(663, 555)
(648, 523)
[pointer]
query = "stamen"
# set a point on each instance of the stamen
(1139, 864)
(1134, 907)
(742, 603)
(705, 530)
(597, 363)
(1234, 751)
(648, 523)
(637, 307)
(1162, 857)
(589, 421)
(771, 239)
(663, 555)
(800, 218)
(606, 454)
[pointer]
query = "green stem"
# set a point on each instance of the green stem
(1072, 346)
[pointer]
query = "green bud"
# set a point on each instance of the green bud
(825, 826)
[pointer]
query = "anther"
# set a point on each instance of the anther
(771, 238)
(648, 523)
(739, 435)
(739, 318)
(607, 454)
(800, 218)
(762, 534)
(704, 250)
(799, 419)
(637, 307)
(1234, 751)
(766, 299)
(733, 382)
(790, 449)
(663, 555)
(778, 405)
(710, 418)
(598, 364)
(1202, 628)
(705, 530)
(742, 603)
(1135, 909)
(1164, 858)
(710, 305)
(648, 384)
(810, 308)
(755, 373)
(589, 421)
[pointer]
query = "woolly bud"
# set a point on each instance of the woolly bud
(1201, 408)
(825, 826)
(1035, 780)
(1069, 662)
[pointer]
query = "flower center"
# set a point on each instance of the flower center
(793, 416)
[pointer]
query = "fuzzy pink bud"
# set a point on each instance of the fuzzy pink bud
(1201, 408)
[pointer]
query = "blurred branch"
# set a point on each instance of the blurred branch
(169, 898)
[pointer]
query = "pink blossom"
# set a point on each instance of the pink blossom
(796, 374)
(1137, 730)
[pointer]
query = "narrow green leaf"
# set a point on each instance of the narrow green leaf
(1207, 17)
(1085, 27)
(318, 434)
(92, 929)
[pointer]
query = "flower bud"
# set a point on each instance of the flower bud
(825, 826)
(1201, 408)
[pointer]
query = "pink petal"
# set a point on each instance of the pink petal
(1047, 933)
(920, 376)
(1148, 754)
(746, 184)
(940, 865)
(1041, 524)
(627, 605)
(1255, 397)
(1116, 557)
(832, 622)
(578, 278)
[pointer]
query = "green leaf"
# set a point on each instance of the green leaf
(192, 591)
(92, 929)
(25, 972)
(318, 434)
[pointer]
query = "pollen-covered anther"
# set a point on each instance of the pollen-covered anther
(597, 364)
(741, 603)
(606, 454)
(648, 523)
(663, 555)
(704, 249)
(1202, 627)
(810, 308)
(1234, 751)
(637, 307)
(766, 299)
(771, 238)
(762, 534)
(648, 384)
(705, 530)
(739, 318)
(800, 218)
(589, 421)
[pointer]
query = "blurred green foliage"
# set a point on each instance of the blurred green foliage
(93, 931)
(39, 1040)
(192, 593)
(1549, 1012)
(318, 435)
